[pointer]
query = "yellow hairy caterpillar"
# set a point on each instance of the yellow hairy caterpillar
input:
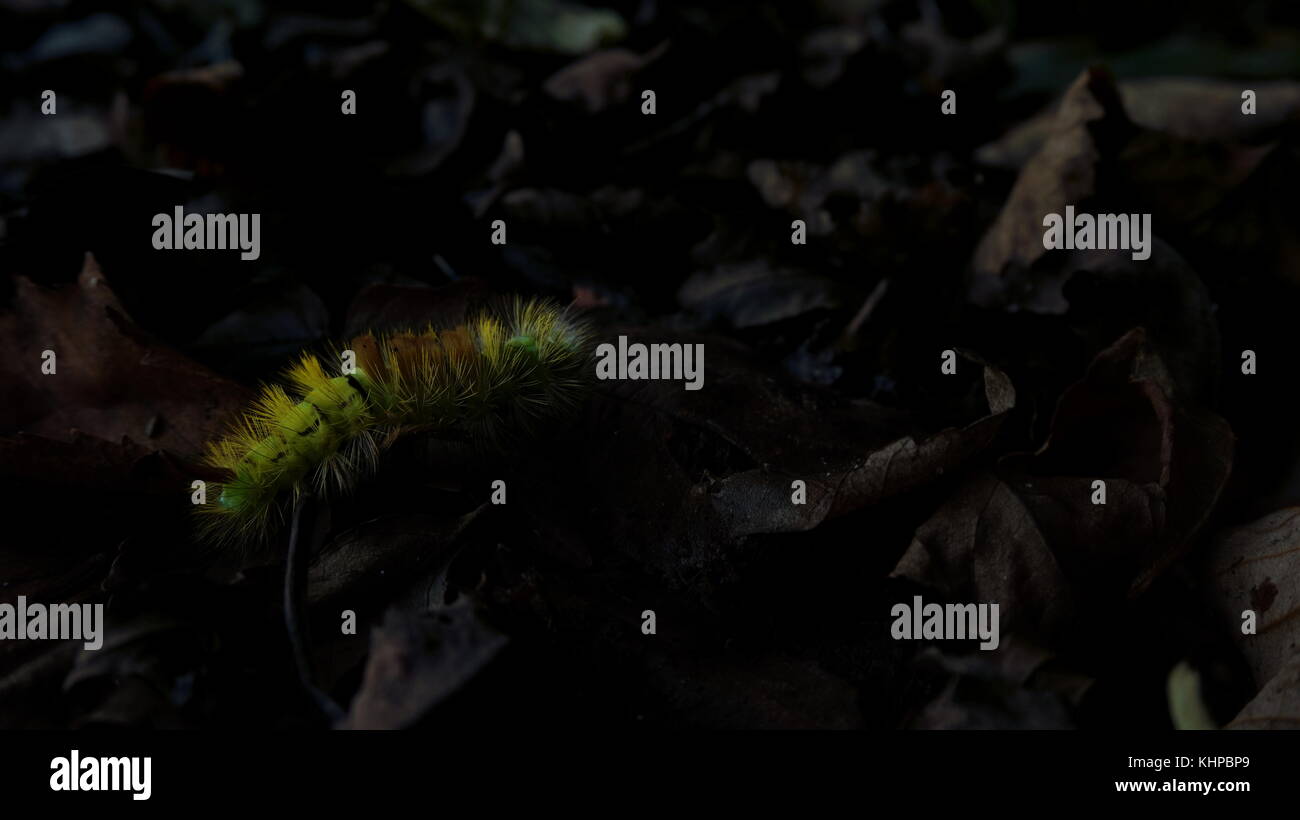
(323, 431)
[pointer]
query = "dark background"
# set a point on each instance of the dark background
(821, 359)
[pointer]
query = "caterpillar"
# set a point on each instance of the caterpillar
(323, 430)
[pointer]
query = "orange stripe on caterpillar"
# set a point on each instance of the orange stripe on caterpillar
(489, 378)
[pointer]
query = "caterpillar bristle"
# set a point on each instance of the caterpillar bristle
(324, 428)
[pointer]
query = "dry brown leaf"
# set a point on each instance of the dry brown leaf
(1063, 172)
(112, 381)
(1278, 705)
(417, 661)
(1032, 541)
(1256, 567)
